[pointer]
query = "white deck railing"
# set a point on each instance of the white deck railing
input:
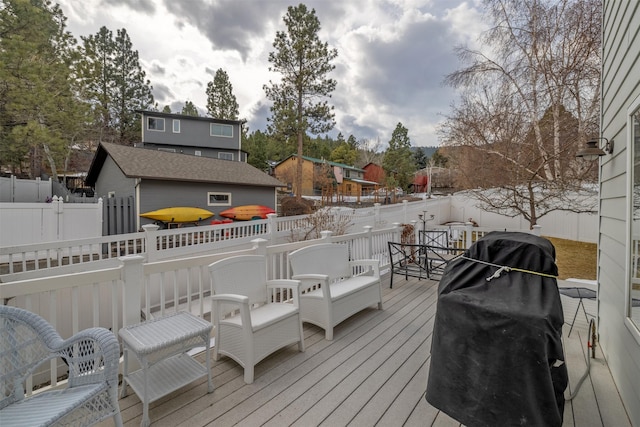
(191, 241)
(135, 288)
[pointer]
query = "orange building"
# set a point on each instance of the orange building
(322, 177)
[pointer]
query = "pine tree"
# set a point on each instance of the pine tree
(39, 113)
(221, 102)
(190, 109)
(304, 63)
(398, 159)
(116, 85)
(98, 75)
(132, 91)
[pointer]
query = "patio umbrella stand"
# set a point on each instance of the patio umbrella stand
(497, 356)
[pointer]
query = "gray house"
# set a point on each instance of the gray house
(619, 233)
(198, 136)
(156, 179)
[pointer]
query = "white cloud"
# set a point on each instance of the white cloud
(392, 55)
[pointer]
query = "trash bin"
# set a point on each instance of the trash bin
(497, 356)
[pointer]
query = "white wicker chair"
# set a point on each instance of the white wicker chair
(332, 287)
(252, 317)
(92, 355)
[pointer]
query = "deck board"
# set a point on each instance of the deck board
(374, 372)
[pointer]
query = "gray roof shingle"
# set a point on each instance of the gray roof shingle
(153, 164)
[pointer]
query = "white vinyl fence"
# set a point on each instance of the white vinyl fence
(13, 189)
(28, 223)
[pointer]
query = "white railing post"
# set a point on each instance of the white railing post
(260, 246)
(416, 232)
(150, 231)
(468, 234)
(272, 227)
(376, 214)
(133, 283)
(58, 212)
(537, 230)
(405, 204)
(100, 216)
(397, 231)
(368, 229)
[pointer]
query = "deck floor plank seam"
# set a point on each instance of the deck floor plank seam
(374, 372)
(346, 344)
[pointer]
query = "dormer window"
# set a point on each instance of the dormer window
(155, 123)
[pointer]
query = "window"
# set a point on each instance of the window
(176, 126)
(632, 310)
(168, 150)
(198, 153)
(219, 199)
(155, 123)
(221, 130)
(225, 156)
(347, 173)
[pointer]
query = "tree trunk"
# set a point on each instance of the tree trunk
(299, 169)
(52, 162)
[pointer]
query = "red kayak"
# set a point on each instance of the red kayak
(247, 212)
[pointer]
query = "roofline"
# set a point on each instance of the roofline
(316, 160)
(152, 178)
(184, 116)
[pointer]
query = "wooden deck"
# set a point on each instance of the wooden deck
(374, 372)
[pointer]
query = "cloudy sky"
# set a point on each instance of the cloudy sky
(392, 54)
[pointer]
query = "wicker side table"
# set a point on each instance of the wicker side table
(160, 346)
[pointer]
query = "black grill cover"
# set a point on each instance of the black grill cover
(496, 356)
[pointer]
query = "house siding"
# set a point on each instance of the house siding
(204, 151)
(112, 180)
(194, 132)
(620, 87)
(286, 172)
(156, 194)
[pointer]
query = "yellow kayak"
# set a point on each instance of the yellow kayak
(178, 214)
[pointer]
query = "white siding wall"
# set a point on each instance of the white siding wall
(620, 86)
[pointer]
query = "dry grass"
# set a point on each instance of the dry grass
(575, 259)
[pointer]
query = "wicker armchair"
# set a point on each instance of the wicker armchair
(253, 316)
(92, 355)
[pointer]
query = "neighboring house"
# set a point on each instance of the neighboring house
(159, 179)
(375, 173)
(420, 183)
(321, 176)
(198, 136)
(619, 210)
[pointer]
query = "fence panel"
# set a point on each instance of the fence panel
(119, 216)
(16, 190)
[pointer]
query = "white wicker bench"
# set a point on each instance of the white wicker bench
(92, 355)
(334, 288)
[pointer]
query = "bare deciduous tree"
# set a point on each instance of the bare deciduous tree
(336, 220)
(529, 101)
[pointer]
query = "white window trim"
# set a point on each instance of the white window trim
(156, 118)
(632, 326)
(226, 153)
(220, 124)
(227, 203)
(173, 125)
